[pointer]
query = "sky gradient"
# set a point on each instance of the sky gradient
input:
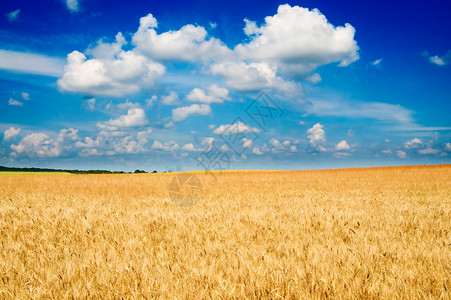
(224, 85)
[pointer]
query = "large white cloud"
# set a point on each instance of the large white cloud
(300, 40)
(111, 71)
(181, 113)
(189, 43)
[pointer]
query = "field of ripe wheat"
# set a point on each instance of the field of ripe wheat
(349, 234)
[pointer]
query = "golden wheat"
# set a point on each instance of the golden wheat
(352, 233)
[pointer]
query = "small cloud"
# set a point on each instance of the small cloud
(257, 151)
(441, 60)
(90, 104)
(13, 16)
(181, 113)
(171, 99)
(315, 78)
(387, 140)
(247, 143)
(213, 94)
(448, 147)
(169, 146)
(10, 133)
(428, 151)
(135, 117)
(213, 25)
(236, 128)
(73, 5)
(343, 145)
(25, 96)
(14, 102)
(302, 123)
(388, 151)
(401, 154)
(376, 62)
(413, 143)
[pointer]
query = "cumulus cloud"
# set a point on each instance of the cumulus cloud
(213, 94)
(41, 145)
(413, 143)
(247, 143)
(253, 76)
(401, 154)
(10, 133)
(343, 145)
(189, 43)
(317, 137)
(169, 146)
(181, 113)
(299, 39)
(235, 128)
(448, 146)
(257, 151)
(13, 16)
(135, 117)
(14, 102)
(31, 63)
(314, 78)
(171, 99)
(441, 60)
(111, 71)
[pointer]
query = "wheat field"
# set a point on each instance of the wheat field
(341, 234)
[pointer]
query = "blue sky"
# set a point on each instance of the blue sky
(224, 85)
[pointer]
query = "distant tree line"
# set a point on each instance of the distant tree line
(13, 169)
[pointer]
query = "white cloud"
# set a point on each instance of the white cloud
(111, 71)
(31, 63)
(448, 146)
(257, 151)
(343, 145)
(90, 104)
(214, 94)
(413, 143)
(247, 143)
(10, 133)
(293, 148)
(171, 99)
(315, 78)
(14, 102)
(387, 151)
(181, 113)
(190, 147)
(73, 5)
(317, 136)
(135, 117)
(169, 146)
(376, 62)
(428, 151)
(25, 96)
(41, 145)
(441, 60)
(13, 16)
(253, 76)
(401, 154)
(189, 43)
(299, 39)
(236, 128)
(302, 123)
